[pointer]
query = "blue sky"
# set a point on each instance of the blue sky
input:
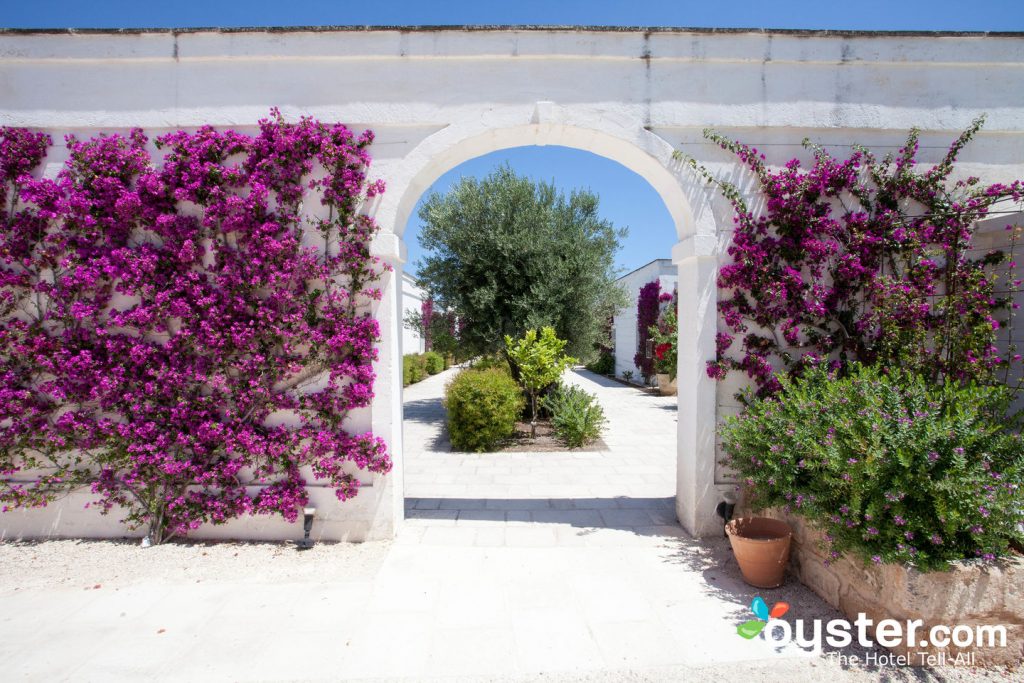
(626, 199)
(979, 15)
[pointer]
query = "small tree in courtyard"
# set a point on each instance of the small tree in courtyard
(539, 361)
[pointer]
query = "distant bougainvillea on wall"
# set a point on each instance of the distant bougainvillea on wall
(647, 310)
(179, 334)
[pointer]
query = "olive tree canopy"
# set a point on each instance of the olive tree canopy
(508, 255)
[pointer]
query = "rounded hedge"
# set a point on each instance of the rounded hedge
(483, 406)
(434, 362)
(414, 368)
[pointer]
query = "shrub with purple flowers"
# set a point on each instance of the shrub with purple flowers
(891, 466)
(862, 259)
(178, 333)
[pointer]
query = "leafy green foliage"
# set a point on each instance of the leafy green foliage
(538, 361)
(891, 466)
(576, 416)
(414, 368)
(483, 406)
(604, 365)
(433, 362)
(492, 361)
(506, 254)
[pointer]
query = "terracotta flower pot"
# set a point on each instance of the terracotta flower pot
(761, 546)
(666, 387)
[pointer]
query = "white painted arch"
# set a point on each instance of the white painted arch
(639, 150)
(651, 157)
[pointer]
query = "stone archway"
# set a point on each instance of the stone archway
(651, 157)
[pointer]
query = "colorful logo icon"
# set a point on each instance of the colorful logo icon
(749, 629)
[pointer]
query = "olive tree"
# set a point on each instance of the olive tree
(507, 254)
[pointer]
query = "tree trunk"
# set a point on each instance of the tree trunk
(533, 417)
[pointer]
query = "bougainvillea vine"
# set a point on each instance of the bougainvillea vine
(647, 310)
(862, 259)
(181, 335)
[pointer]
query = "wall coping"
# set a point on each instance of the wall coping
(532, 28)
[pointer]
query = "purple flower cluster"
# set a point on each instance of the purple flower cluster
(647, 310)
(177, 329)
(860, 259)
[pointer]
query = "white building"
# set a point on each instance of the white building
(412, 302)
(625, 331)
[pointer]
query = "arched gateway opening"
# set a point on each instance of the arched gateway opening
(650, 157)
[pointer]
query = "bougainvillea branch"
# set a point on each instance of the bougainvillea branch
(647, 310)
(177, 334)
(861, 259)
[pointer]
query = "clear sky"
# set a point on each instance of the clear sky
(626, 199)
(978, 15)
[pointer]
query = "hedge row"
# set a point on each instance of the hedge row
(418, 366)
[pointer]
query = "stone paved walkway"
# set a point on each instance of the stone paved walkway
(569, 498)
(566, 562)
(640, 461)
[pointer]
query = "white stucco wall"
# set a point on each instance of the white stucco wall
(412, 300)
(439, 97)
(624, 325)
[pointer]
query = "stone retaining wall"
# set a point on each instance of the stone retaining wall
(970, 593)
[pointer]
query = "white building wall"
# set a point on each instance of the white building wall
(438, 97)
(624, 325)
(412, 302)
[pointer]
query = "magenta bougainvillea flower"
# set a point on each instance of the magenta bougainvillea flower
(647, 310)
(862, 259)
(181, 333)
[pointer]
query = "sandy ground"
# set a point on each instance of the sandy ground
(110, 565)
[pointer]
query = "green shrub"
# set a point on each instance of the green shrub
(576, 416)
(414, 368)
(893, 468)
(483, 406)
(490, 362)
(433, 362)
(604, 365)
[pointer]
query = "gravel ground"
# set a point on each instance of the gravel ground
(29, 565)
(770, 672)
(34, 567)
